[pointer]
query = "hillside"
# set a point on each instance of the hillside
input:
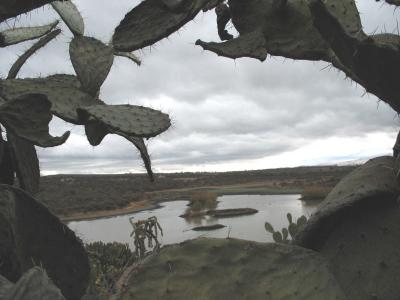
(71, 194)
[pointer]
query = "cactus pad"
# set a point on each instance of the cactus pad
(26, 163)
(173, 5)
(152, 21)
(16, 67)
(373, 60)
(63, 91)
(33, 285)
(357, 228)
(13, 8)
(96, 131)
(144, 154)
(130, 56)
(252, 45)
(131, 120)
(18, 35)
(92, 61)
(287, 28)
(70, 15)
(28, 117)
(234, 269)
(42, 239)
(392, 2)
(354, 191)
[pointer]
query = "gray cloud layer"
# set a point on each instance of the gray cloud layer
(224, 111)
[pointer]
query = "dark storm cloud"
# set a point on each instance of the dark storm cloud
(223, 110)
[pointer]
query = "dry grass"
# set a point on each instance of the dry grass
(315, 192)
(203, 200)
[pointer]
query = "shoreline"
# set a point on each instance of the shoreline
(151, 203)
(133, 207)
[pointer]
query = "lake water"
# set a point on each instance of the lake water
(271, 208)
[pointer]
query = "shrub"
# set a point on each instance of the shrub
(315, 192)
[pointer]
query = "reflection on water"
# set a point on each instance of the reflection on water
(272, 208)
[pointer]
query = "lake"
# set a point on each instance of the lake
(271, 208)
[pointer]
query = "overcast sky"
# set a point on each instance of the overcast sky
(227, 114)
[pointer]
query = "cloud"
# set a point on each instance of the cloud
(227, 114)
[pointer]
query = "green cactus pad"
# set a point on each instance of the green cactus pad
(357, 228)
(13, 8)
(63, 91)
(361, 187)
(173, 5)
(288, 30)
(70, 15)
(131, 120)
(234, 269)
(373, 60)
(7, 168)
(393, 2)
(5, 287)
(277, 236)
(289, 218)
(286, 26)
(92, 61)
(144, 154)
(269, 227)
(285, 234)
(96, 131)
(18, 35)
(33, 285)
(152, 21)
(26, 163)
(16, 67)
(42, 239)
(252, 45)
(130, 56)
(28, 117)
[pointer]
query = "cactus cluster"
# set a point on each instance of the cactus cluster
(355, 230)
(30, 233)
(31, 236)
(145, 230)
(292, 230)
(326, 30)
(68, 94)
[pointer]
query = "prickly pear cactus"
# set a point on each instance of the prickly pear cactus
(92, 61)
(357, 228)
(13, 8)
(16, 67)
(63, 91)
(71, 16)
(133, 120)
(372, 61)
(234, 269)
(292, 230)
(28, 117)
(18, 35)
(153, 20)
(33, 285)
(39, 238)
